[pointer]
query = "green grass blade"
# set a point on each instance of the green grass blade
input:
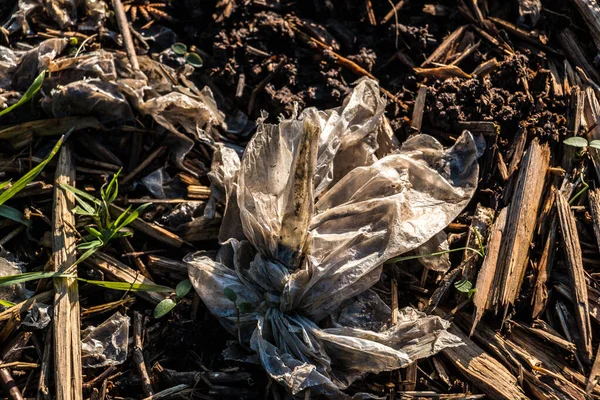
(4, 184)
(30, 176)
(33, 89)
(30, 276)
(81, 194)
(6, 303)
(129, 287)
(14, 214)
(133, 216)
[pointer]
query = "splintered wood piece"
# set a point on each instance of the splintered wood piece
(483, 370)
(446, 71)
(66, 343)
(517, 149)
(417, 115)
(575, 53)
(521, 221)
(591, 15)
(122, 273)
(138, 356)
(557, 88)
(154, 231)
(537, 40)
(572, 250)
(485, 128)
(574, 117)
(443, 48)
(490, 271)
(594, 198)
(544, 266)
(485, 68)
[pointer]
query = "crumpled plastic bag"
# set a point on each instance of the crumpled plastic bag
(105, 344)
(321, 213)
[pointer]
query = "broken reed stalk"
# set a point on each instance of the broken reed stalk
(43, 391)
(67, 345)
(154, 231)
(125, 32)
(572, 250)
(138, 356)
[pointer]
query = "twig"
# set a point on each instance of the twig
(43, 392)
(156, 153)
(135, 257)
(167, 392)
(9, 385)
(124, 28)
(138, 356)
(90, 384)
(67, 347)
(392, 12)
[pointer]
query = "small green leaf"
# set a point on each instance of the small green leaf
(6, 303)
(245, 307)
(595, 144)
(29, 176)
(33, 89)
(94, 244)
(230, 294)
(129, 287)
(179, 48)
(194, 60)
(183, 288)
(163, 308)
(93, 231)
(576, 141)
(132, 217)
(112, 190)
(463, 286)
(14, 214)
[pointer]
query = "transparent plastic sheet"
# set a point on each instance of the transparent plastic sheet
(35, 61)
(105, 344)
(63, 12)
(8, 62)
(96, 15)
(319, 227)
(18, 21)
(89, 97)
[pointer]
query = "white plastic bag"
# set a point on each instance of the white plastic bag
(321, 214)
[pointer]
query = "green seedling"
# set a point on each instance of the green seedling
(33, 89)
(465, 286)
(181, 290)
(191, 58)
(103, 229)
(243, 307)
(12, 190)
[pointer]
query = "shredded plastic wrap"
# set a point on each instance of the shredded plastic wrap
(106, 344)
(320, 214)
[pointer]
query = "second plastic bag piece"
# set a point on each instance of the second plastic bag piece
(105, 344)
(321, 213)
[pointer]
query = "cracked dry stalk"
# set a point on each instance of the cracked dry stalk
(66, 343)
(294, 226)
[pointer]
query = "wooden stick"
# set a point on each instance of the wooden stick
(43, 392)
(124, 28)
(154, 231)
(443, 48)
(156, 153)
(24, 306)
(138, 356)
(573, 254)
(67, 345)
(135, 258)
(121, 272)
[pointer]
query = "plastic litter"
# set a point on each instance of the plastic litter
(10, 266)
(321, 208)
(106, 344)
(38, 317)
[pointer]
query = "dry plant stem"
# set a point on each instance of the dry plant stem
(156, 153)
(107, 372)
(138, 356)
(67, 345)
(417, 115)
(154, 231)
(125, 32)
(573, 254)
(391, 13)
(22, 307)
(135, 258)
(9, 385)
(443, 48)
(122, 273)
(43, 391)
